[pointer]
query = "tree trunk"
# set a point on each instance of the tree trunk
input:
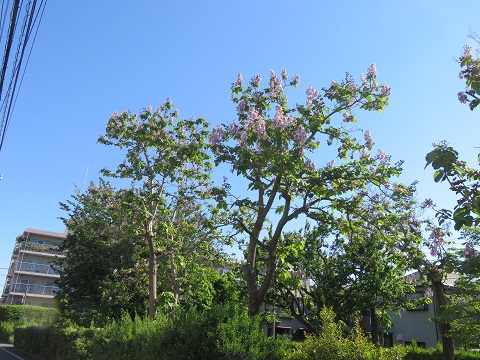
(439, 301)
(374, 323)
(152, 280)
(175, 282)
(256, 294)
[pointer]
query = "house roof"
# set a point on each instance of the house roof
(448, 281)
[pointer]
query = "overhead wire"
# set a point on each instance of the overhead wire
(31, 22)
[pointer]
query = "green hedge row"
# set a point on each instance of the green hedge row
(18, 316)
(417, 353)
(222, 333)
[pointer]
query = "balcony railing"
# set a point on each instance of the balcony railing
(40, 248)
(34, 289)
(36, 268)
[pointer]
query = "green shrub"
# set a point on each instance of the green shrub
(57, 342)
(331, 344)
(241, 337)
(6, 331)
(21, 316)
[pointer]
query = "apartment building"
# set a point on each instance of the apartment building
(30, 278)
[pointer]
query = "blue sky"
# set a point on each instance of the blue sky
(92, 58)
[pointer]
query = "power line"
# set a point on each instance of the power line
(32, 16)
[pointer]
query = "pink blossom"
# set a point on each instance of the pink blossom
(365, 154)
(261, 127)
(115, 116)
(363, 78)
(216, 135)
(368, 139)
(310, 164)
(372, 71)
(296, 80)
(300, 135)
(280, 120)
(253, 117)
(243, 138)
(467, 50)
(241, 107)
(469, 251)
(373, 169)
(428, 293)
(353, 87)
(312, 94)
(239, 80)
(462, 97)
(275, 85)
(347, 117)
(234, 128)
(255, 81)
(436, 235)
(330, 164)
(382, 157)
(386, 90)
(149, 109)
(257, 95)
(284, 74)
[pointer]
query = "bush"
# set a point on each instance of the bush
(331, 344)
(222, 333)
(21, 316)
(6, 331)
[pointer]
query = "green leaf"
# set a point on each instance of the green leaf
(438, 176)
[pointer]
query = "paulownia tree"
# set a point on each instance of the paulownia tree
(274, 148)
(354, 262)
(166, 160)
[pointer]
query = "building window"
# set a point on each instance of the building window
(415, 297)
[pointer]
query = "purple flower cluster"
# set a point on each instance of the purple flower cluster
(275, 85)
(368, 139)
(312, 95)
(295, 80)
(284, 74)
(216, 135)
(280, 120)
(347, 117)
(255, 81)
(436, 236)
(469, 251)
(365, 154)
(300, 135)
(383, 157)
(238, 82)
(310, 164)
(462, 97)
(241, 107)
(372, 71)
(386, 90)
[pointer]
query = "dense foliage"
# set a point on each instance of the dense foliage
(20, 316)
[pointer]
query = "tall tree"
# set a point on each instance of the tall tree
(104, 272)
(165, 159)
(271, 147)
(364, 266)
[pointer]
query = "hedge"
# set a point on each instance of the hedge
(18, 316)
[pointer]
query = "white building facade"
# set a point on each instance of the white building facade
(30, 278)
